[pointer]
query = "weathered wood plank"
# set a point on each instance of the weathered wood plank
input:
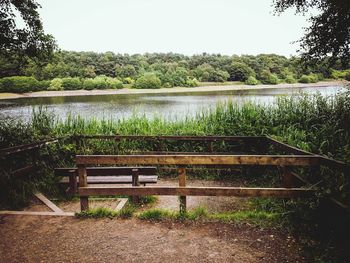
(280, 160)
(23, 171)
(84, 200)
(121, 204)
(182, 183)
(198, 191)
(178, 138)
(143, 179)
(33, 213)
(48, 203)
(105, 171)
(27, 147)
(286, 147)
(135, 183)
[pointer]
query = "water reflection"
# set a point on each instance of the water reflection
(164, 105)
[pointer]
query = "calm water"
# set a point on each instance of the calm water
(165, 105)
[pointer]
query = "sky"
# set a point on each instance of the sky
(180, 26)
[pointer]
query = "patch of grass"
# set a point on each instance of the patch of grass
(102, 212)
(201, 213)
(156, 214)
(257, 217)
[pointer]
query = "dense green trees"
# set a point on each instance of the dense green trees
(89, 70)
(329, 30)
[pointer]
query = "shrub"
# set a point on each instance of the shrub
(339, 74)
(290, 79)
(114, 83)
(128, 80)
(251, 81)
(44, 84)
(19, 84)
(240, 71)
(206, 72)
(101, 82)
(311, 78)
(304, 79)
(56, 84)
(148, 81)
(192, 82)
(89, 84)
(269, 78)
(71, 83)
(347, 76)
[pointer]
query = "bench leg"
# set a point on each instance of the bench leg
(73, 184)
(84, 203)
(135, 182)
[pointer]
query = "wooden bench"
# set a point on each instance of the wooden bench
(107, 175)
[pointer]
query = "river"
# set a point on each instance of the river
(170, 106)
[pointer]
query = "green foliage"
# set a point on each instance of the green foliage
(324, 37)
(127, 71)
(251, 81)
(113, 83)
(240, 72)
(89, 84)
(148, 81)
(56, 84)
(102, 212)
(347, 76)
(206, 72)
(269, 78)
(19, 84)
(339, 74)
(192, 82)
(290, 79)
(252, 216)
(128, 80)
(28, 39)
(71, 83)
(311, 78)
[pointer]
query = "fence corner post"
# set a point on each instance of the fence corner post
(182, 183)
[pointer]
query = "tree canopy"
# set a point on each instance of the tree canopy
(329, 32)
(29, 40)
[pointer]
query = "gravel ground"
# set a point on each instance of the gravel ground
(66, 239)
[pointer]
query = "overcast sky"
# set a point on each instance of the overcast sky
(181, 26)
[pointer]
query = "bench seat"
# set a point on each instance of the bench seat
(107, 175)
(122, 179)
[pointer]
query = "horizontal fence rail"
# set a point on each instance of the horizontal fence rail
(277, 160)
(198, 191)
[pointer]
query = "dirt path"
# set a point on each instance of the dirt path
(45, 239)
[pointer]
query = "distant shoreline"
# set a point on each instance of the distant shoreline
(125, 91)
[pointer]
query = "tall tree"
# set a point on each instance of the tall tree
(27, 41)
(329, 32)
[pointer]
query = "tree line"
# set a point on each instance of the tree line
(68, 70)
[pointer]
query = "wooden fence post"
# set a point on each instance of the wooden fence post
(84, 200)
(210, 146)
(135, 182)
(182, 183)
(288, 177)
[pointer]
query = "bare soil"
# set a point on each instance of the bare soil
(67, 239)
